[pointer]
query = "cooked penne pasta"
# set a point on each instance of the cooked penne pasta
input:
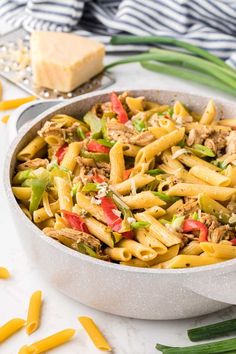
(209, 176)
(192, 190)
(34, 311)
(137, 250)
(94, 333)
(31, 149)
(10, 328)
(219, 250)
(152, 187)
(4, 273)
(48, 343)
(117, 163)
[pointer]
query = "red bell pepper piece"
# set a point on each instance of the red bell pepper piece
(194, 225)
(112, 220)
(128, 234)
(127, 173)
(94, 146)
(75, 221)
(233, 241)
(97, 178)
(118, 108)
(60, 153)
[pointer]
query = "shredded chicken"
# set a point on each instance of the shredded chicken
(142, 139)
(74, 238)
(188, 208)
(71, 133)
(232, 206)
(52, 128)
(119, 132)
(210, 221)
(33, 164)
(231, 143)
(90, 168)
(223, 232)
(210, 137)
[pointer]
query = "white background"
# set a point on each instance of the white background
(126, 336)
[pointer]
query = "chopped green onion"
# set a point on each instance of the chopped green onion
(195, 216)
(201, 150)
(164, 221)
(140, 224)
(105, 142)
(96, 156)
(81, 133)
(90, 187)
(220, 164)
(181, 143)
(165, 197)
(177, 222)
(21, 176)
(38, 187)
(222, 346)
(75, 188)
(85, 249)
(155, 172)
(139, 124)
(212, 330)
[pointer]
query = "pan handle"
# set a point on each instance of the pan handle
(217, 287)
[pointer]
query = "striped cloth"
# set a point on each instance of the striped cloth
(210, 24)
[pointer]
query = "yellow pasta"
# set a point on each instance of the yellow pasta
(101, 231)
(168, 160)
(156, 211)
(174, 208)
(93, 209)
(40, 215)
(230, 172)
(119, 254)
(144, 199)
(130, 150)
(64, 193)
(228, 122)
(148, 240)
(166, 124)
(135, 104)
(157, 131)
(10, 328)
(170, 253)
(219, 250)
(135, 262)
(180, 111)
(22, 193)
(69, 159)
(156, 229)
(48, 343)
(209, 114)
(94, 333)
(163, 143)
(4, 273)
(117, 163)
(31, 149)
(209, 176)
(192, 190)
(188, 261)
(34, 310)
(135, 182)
(188, 177)
(193, 248)
(138, 250)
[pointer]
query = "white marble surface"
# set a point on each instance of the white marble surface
(126, 336)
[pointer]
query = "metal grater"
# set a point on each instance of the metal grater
(11, 70)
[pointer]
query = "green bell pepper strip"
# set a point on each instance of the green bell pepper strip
(90, 187)
(104, 128)
(80, 133)
(140, 224)
(96, 156)
(202, 151)
(94, 123)
(85, 249)
(155, 172)
(38, 187)
(75, 188)
(105, 142)
(165, 197)
(21, 176)
(139, 125)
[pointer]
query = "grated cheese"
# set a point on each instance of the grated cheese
(179, 153)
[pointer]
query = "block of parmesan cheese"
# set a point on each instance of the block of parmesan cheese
(64, 61)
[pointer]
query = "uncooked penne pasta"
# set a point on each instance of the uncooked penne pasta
(94, 333)
(34, 311)
(143, 187)
(10, 328)
(48, 343)
(4, 273)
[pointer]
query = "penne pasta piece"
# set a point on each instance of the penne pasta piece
(101, 231)
(166, 124)
(48, 343)
(64, 119)
(186, 261)
(156, 211)
(141, 168)
(10, 328)
(230, 172)
(69, 159)
(22, 193)
(209, 176)
(180, 111)
(145, 199)
(143, 237)
(159, 231)
(4, 273)
(93, 209)
(138, 250)
(135, 104)
(209, 114)
(118, 254)
(64, 193)
(137, 181)
(190, 160)
(193, 190)
(34, 310)
(94, 333)
(228, 122)
(117, 163)
(40, 215)
(168, 169)
(170, 253)
(46, 204)
(51, 222)
(157, 131)
(31, 149)
(169, 161)
(188, 177)
(130, 150)
(193, 248)
(153, 149)
(219, 250)
(25, 211)
(173, 209)
(135, 262)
